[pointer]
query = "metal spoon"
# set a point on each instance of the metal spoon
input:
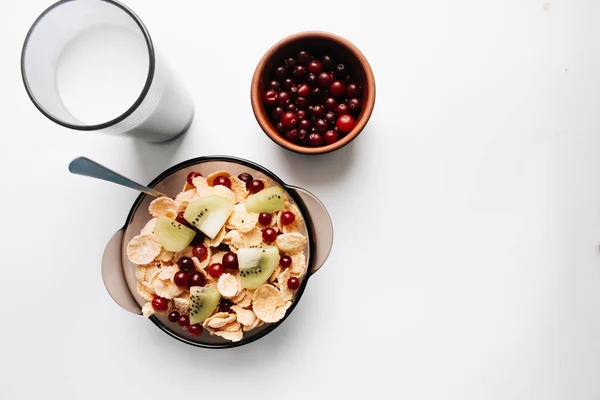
(86, 167)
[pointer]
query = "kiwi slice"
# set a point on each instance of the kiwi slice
(203, 301)
(209, 214)
(257, 264)
(172, 235)
(268, 200)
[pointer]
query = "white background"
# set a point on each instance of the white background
(467, 214)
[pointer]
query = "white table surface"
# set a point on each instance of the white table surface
(467, 214)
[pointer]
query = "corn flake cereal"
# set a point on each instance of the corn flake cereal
(291, 243)
(181, 304)
(233, 238)
(149, 227)
(161, 205)
(282, 279)
(183, 199)
(232, 336)
(219, 320)
(217, 240)
(200, 183)
(238, 187)
(218, 190)
(252, 238)
(267, 303)
(242, 220)
(143, 249)
(244, 316)
(228, 285)
(143, 292)
(147, 310)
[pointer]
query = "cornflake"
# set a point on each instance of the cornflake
(252, 238)
(291, 243)
(183, 199)
(147, 310)
(238, 187)
(268, 305)
(143, 249)
(244, 316)
(218, 190)
(242, 220)
(217, 240)
(219, 320)
(228, 285)
(149, 227)
(181, 304)
(200, 183)
(217, 258)
(233, 238)
(282, 279)
(143, 292)
(161, 205)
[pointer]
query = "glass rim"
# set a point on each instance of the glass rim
(130, 110)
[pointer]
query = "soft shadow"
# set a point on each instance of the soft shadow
(320, 168)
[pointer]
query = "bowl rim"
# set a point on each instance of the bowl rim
(290, 191)
(264, 121)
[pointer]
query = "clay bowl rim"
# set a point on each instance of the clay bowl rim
(263, 119)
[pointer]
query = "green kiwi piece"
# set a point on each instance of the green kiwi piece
(257, 264)
(172, 235)
(209, 214)
(203, 301)
(268, 200)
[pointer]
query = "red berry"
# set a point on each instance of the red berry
(200, 252)
(245, 177)
(184, 321)
(304, 90)
(230, 261)
(223, 181)
(315, 66)
(256, 186)
(321, 125)
(301, 115)
(197, 279)
(275, 85)
(269, 235)
(293, 283)
(182, 278)
(185, 264)
(287, 218)
(289, 119)
(354, 105)
(195, 330)
(265, 219)
(345, 123)
(292, 135)
(285, 261)
(352, 90)
(337, 88)
(277, 113)
(330, 137)
(318, 110)
(330, 104)
(225, 305)
(283, 98)
(173, 316)
(299, 71)
(303, 57)
(160, 304)
(192, 175)
(216, 270)
(316, 140)
(342, 109)
(324, 80)
(199, 238)
(270, 96)
(180, 218)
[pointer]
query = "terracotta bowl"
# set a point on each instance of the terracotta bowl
(323, 42)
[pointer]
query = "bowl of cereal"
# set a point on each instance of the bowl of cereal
(224, 259)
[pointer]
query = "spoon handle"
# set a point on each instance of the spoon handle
(86, 167)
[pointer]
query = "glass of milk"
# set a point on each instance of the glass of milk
(90, 65)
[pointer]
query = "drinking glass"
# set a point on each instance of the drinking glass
(90, 65)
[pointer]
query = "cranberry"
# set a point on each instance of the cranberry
(287, 218)
(274, 85)
(348, 80)
(330, 104)
(327, 63)
(304, 124)
(293, 283)
(301, 114)
(245, 177)
(283, 98)
(330, 117)
(299, 71)
(191, 176)
(270, 96)
(315, 66)
(330, 136)
(230, 261)
(256, 186)
(197, 279)
(185, 263)
(293, 93)
(159, 304)
(265, 219)
(316, 95)
(181, 278)
(290, 62)
(303, 90)
(183, 321)
(318, 110)
(316, 140)
(340, 70)
(285, 261)
(337, 88)
(269, 235)
(198, 238)
(303, 57)
(302, 102)
(195, 330)
(354, 104)
(225, 305)
(279, 127)
(200, 252)
(292, 135)
(215, 270)
(277, 113)
(345, 123)
(321, 126)
(289, 119)
(288, 83)
(173, 316)
(342, 109)
(281, 73)
(223, 181)
(324, 80)
(291, 107)
(311, 79)
(181, 219)
(303, 135)
(352, 90)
